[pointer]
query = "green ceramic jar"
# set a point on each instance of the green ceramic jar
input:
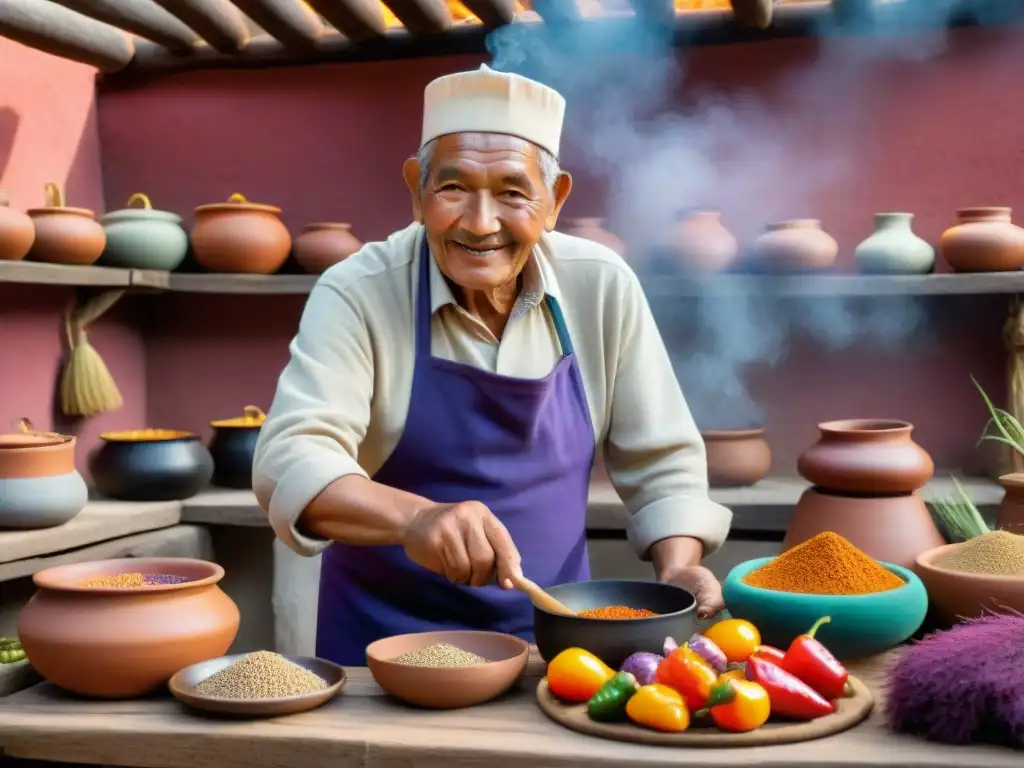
(144, 238)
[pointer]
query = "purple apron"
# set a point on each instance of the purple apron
(523, 447)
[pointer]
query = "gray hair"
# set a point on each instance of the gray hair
(549, 168)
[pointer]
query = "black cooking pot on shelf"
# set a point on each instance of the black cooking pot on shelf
(233, 447)
(150, 465)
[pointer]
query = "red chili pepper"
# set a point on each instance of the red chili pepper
(769, 653)
(790, 696)
(813, 663)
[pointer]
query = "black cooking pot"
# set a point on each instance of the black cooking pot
(150, 465)
(233, 447)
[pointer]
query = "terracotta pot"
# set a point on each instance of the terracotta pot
(39, 486)
(121, 643)
(321, 246)
(65, 235)
(893, 529)
(233, 448)
(799, 245)
(239, 236)
(17, 232)
(702, 244)
(866, 456)
(150, 465)
(954, 596)
(1011, 509)
(593, 229)
(736, 457)
(983, 240)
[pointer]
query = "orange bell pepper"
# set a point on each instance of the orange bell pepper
(733, 674)
(739, 706)
(689, 674)
(660, 708)
(576, 675)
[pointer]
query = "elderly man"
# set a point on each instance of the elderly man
(434, 432)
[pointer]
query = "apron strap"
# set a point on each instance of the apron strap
(564, 340)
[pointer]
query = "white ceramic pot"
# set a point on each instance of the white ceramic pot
(894, 249)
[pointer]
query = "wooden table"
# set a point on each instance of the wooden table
(363, 727)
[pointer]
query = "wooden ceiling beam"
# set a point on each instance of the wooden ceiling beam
(57, 30)
(493, 13)
(358, 20)
(140, 17)
(422, 17)
(218, 22)
(292, 22)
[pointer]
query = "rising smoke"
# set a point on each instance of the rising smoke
(727, 151)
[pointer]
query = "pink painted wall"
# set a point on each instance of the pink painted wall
(48, 133)
(328, 142)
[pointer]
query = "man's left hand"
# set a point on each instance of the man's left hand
(702, 583)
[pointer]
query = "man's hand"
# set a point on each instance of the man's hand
(702, 583)
(463, 542)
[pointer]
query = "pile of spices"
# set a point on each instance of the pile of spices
(999, 553)
(131, 580)
(260, 675)
(616, 612)
(826, 564)
(440, 655)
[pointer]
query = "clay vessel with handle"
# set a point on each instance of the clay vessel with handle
(702, 244)
(17, 232)
(144, 238)
(323, 245)
(592, 228)
(983, 240)
(796, 245)
(240, 237)
(39, 486)
(65, 235)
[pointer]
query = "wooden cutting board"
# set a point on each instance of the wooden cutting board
(851, 711)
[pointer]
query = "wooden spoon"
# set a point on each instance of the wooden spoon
(539, 597)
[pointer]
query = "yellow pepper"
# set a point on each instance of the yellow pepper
(660, 708)
(575, 675)
(733, 674)
(739, 706)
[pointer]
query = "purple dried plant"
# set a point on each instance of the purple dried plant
(962, 685)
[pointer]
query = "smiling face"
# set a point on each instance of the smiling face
(484, 206)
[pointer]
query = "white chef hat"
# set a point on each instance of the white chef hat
(485, 101)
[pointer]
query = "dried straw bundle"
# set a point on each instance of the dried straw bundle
(86, 386)
(1013, 337)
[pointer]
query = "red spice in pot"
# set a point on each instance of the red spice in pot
(616, 612)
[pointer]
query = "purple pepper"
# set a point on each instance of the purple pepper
(668, 646)
(708, 651)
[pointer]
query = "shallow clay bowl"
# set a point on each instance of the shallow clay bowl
(612, 640)
(861, 625)
(955, 595)
(448, 687)
(182, 683)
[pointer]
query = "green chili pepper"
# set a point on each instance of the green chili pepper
(11, 655)
(609, 703)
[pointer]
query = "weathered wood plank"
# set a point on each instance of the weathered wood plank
(208, 283)
(492, 13)
(60, 31)
(218, 22)
(291, 22)
(357, 20)
(140, 17)
(422, 17)
(17, 677)
(61, 274)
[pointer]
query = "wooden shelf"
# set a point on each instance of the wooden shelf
(279, 284)
(61, 274)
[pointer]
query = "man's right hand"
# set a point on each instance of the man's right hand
(463, 542)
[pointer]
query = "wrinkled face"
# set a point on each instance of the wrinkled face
(485, 205)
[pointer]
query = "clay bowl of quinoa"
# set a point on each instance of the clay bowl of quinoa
(978, 576)
(258, 684)
(447, 669)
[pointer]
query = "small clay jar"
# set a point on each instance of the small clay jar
(798, 245)
(702, 244)
(16, 231)
(39, 486)
(240, 237)
(871, 456)
(1010, 516)
(233, 448)
(65, 235)
(322, 245)
(983, 240)
(593, 229)
(736, 457)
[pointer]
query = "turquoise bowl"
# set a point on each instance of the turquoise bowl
(861, 625)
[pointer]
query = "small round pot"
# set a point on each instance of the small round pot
(866, 456)
(150, 465)
(983, 240)
(119, 643)
(39, 486)
(65, 235)
(233, 447)
(956, 596)
(240, 237)
(702, 244)
(17, 232)
(323, 245)
(894, 249)
(143, 238)
(1010, 516)
(593, 229)
(736, 457)
(798, 245)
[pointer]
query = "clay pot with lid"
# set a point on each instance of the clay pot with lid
(983, 240)
(240, 237)
(65, 235)
(150, 465)
(144, 238)
(702, 244)
(322, 245)
(736, 457)
(592, 228)
(233, 448)
(797, 245)
(39, 486)
(124, 642)
(17, 232)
